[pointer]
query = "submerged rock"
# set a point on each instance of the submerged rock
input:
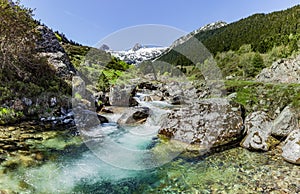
(134, 115)
(102, 119)
(285, 123)
(291, 147)
(258, 127)
(209, 123)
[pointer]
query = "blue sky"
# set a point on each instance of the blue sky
(88, 22)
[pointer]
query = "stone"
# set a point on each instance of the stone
(68, 121)
(285, 123)
(291, 147)
(85, 119)
(53, 102)
(147, 85)
(177, 100)
(122, 95)
(209, 123)
(78, 87)
(282, 71)
(102, 119)
(27, 101)
(178, 93)
(258, 126)
(134, 115)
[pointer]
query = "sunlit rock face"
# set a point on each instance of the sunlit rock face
(136, 115)
(258, 127)
(282, 71)
(291, 147)
(210, 123)
(285, 123)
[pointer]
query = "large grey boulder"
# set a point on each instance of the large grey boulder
(258, 127)
(282, 71)
(209, 123)
(122, 95)
(285, 123)
(60, 63)
(136, 115)
(291, 147)
(85, 119)
(177, 92)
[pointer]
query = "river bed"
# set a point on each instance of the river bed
(124, 159)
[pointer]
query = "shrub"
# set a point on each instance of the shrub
(8, 116)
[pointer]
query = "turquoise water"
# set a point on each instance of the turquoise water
(123, 159)
(232, 171)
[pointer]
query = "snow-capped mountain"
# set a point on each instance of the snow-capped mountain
(139, 53)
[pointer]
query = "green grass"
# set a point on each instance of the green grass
(267, 97)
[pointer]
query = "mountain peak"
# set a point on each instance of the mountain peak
(104, 47)
(139, 53)
(137, 46)
(211, 26)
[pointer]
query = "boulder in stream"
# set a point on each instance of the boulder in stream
(136, 115)
(285, 123)
(291, 147)
(122, 95)
(209, 123)
(258, 127)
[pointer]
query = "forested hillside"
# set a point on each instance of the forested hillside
(261, 31)
(243, 48)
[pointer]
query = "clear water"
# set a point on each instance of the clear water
(120, 159)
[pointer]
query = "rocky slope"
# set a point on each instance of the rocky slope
(49, 47)
(48, 93)
(282, 71)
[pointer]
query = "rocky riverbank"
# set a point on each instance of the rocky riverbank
(208, 135)
(31, 143)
